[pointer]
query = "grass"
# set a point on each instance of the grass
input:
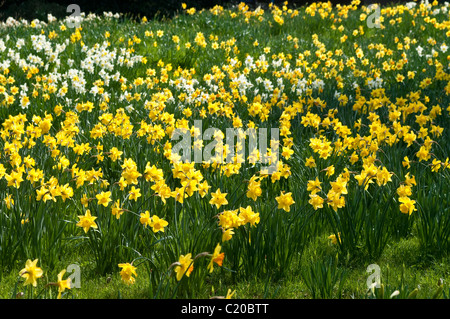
(403, 267)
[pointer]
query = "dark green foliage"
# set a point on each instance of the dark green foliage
(38, 9)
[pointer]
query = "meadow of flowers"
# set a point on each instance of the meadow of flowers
(89, 106)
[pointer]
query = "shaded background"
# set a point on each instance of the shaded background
(38, 9)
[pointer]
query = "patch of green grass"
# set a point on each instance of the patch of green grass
(401, 264)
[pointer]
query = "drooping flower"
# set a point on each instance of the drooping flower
(157, 224)
(116, 210)
(145, 218)
(185, 266)
(230, 294)
(217, 257)
(316, 201)
(218, 198)
(285, 201)
(62, 284)
(334, 238)
(127, 272)
(104, 198)
(87, 221)
(31, 272)
(407, 205)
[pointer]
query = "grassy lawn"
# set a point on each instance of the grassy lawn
(403, 268)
